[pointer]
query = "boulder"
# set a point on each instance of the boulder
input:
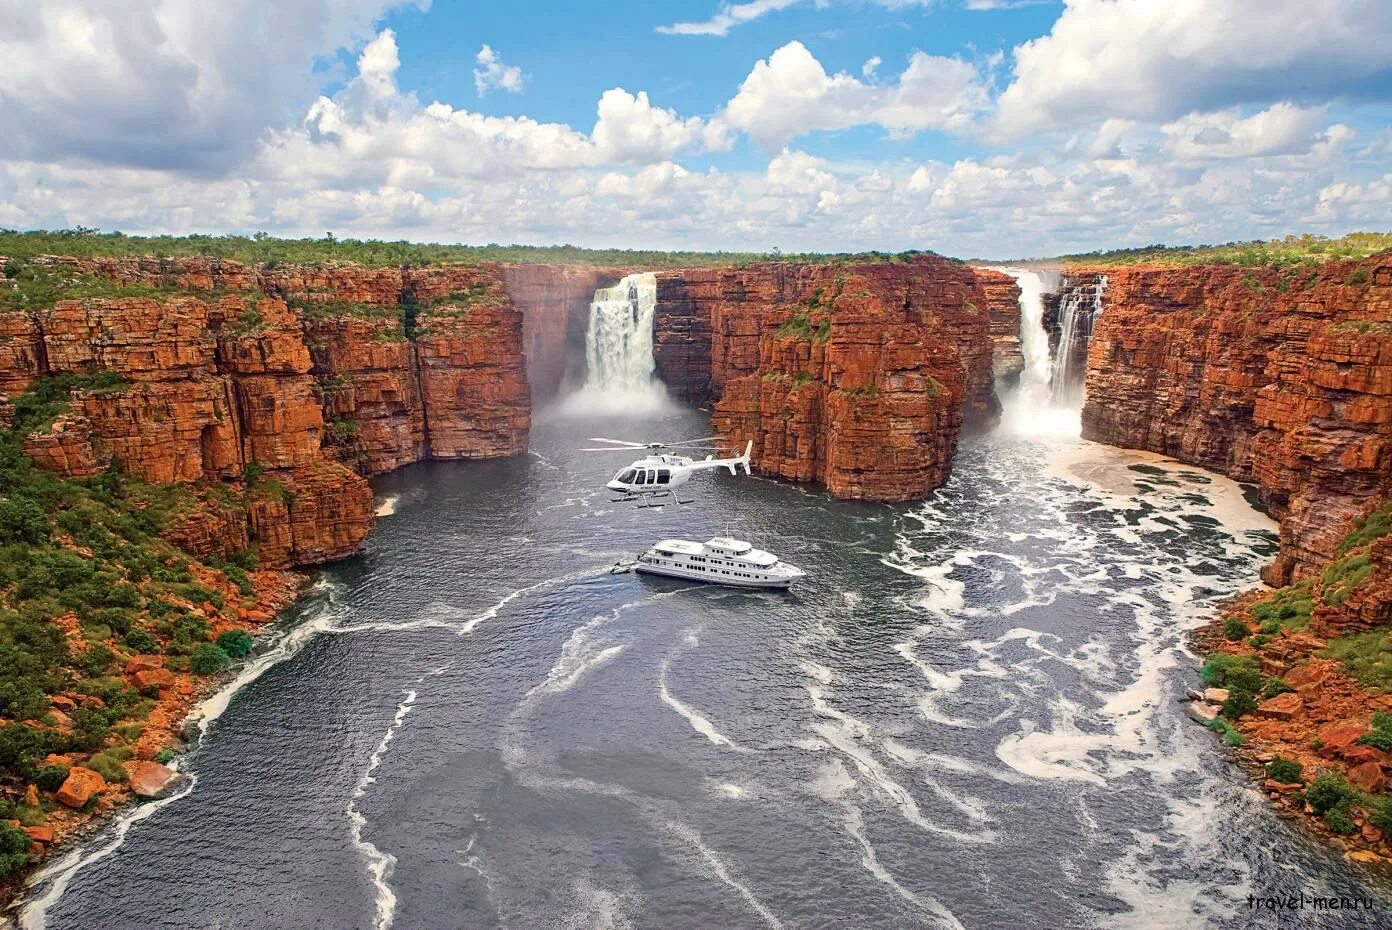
(31, 796)
(149, 779)
(154, 677)
(1282, 787)
(1201, 712)
(1368, 777)
(143, 664)
(1339, 736)
(63, 702)
(79, 787)
(1215, 695)
(40, 834)
(1282, 706)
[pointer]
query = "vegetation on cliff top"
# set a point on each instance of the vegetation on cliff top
(86, 585)
(1292, 250)
(270, 250)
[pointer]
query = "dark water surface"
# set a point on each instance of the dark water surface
(966, 717)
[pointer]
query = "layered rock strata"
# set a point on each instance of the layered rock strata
(1278, 377)
(271, 381)
(1002, 295)
(859, 377)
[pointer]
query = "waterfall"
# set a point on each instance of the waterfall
(1031, 407)
(619, 349)
(1078, 310)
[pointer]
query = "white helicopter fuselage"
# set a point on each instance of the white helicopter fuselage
(660, 474)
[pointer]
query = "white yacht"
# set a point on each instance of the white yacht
(720, 560)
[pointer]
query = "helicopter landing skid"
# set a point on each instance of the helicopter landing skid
(646, 501)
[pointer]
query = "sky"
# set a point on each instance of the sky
(976, 128)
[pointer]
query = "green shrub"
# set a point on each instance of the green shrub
(108, 765)
(51, 777)
(1381, 735)
(90, 729)
(1327, 791)
(208, 659)
(1338, 820)
(1381, 813)
(22, 520)
(1224, 670)
(1286, 771)
(141, 641)
(1239, 704)
(14, 849)
(1341, 577)
(1275, 686)
(1289, 608)
(1235, 630)
(165, 756)
(1366, 656)
(236, 643)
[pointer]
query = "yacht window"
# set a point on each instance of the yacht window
(626, 476)
(663, 475)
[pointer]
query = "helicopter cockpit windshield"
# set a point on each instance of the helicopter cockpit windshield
(626, 476)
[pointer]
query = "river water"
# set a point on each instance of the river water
(965, 717)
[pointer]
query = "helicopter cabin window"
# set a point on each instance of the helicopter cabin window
(626, 476)
(642, 478)
(663, 475)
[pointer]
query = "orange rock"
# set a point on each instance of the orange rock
(152, 678)
(31, 796)
(62, 702)
(1338, 737)
(79, 787)
(1282, 706)
(143, 663)
(149, 779)
(858, 377)
(1367, 777)
(40, 834)
(1277, 377)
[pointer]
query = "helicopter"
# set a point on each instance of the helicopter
(658, 475)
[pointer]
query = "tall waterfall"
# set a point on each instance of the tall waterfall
(619, 348)
(1078, 310)
(1031, 408)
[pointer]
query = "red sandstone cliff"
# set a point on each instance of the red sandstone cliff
(858, 377)
(230, 385)
(1002, 295)
(1279, 377)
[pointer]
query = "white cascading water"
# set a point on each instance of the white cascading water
(619, 350)
(1078, 310)
(1031, 408)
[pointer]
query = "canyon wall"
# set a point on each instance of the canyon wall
(859, 376)
(284, 385)
(1002, 296)
(1280, 377)
(555, 305)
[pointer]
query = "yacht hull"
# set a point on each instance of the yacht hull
(673, 571)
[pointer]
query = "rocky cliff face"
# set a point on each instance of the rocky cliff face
(555, 306)
(1278, 377)
(1002, 297)
(858, 377)
(225, 382)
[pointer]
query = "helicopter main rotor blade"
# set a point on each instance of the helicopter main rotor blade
(621, 442)
(608, 449)
(689, 442)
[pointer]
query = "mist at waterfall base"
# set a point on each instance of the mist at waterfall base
(967, 716)
(620, 373)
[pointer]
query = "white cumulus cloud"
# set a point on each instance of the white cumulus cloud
(492, 73)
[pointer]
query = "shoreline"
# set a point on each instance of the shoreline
(168, 727)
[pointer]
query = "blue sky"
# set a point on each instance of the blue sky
(981, 128)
